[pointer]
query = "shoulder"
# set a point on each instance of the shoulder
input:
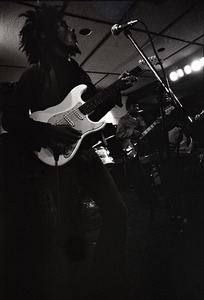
(124, 118)
(84, 74)
(33, 72)
(31, 80)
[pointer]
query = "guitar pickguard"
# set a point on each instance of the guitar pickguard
(72, 116)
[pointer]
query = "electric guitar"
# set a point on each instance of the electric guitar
(74, 112)
(131, 149)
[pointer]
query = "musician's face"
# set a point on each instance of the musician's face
(67, 38)
(133, 110)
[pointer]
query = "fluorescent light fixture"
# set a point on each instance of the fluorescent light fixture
(180, 73)
(196, 65)
(173, 76)
(187, 69)
(202, 61)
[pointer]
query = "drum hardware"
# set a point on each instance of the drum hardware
(200, 157)
(90, 213)
(103, 152)
(104, 155)
(100, 143)
(151, 160)
(155, 175)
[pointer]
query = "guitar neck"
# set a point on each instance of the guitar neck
(148, 129)
(106, 94)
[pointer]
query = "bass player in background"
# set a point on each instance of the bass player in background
(129, 131)
(49, 44)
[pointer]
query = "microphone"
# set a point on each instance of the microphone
(116, 29)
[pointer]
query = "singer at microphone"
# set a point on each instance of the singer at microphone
(116, 29)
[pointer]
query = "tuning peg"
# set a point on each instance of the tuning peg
(153, 60)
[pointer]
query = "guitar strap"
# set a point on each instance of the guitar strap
(55, 94)
(54, 83)
(58, 206)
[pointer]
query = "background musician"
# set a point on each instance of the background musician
(129, 131)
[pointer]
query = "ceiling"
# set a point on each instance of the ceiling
(175, 26)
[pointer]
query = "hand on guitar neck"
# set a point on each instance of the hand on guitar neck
(128, 80)
(136, 134)
(199, 116)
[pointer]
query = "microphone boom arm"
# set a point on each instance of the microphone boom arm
(154, 71)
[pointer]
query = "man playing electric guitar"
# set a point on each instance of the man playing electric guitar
(49, 44)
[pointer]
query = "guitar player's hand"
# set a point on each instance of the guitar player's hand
(137, 133)
(128, 80)
(62, 135)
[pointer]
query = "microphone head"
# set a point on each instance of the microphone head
(115, 29)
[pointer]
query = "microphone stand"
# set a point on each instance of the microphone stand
(154, 71)
(163, 88)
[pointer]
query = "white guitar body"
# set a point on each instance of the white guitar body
(67, 112)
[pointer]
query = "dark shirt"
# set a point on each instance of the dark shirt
(126, 126)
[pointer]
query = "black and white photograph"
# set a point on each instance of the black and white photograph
(102, 150)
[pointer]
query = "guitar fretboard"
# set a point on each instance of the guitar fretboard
(149, 129)
(101, 97)
(106, 94)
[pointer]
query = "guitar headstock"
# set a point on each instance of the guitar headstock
(199, 116)
(153, 59)
(169, 109)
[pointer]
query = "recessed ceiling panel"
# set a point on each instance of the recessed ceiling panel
(158, 16)
(87, 44)
(113, 54)
(111, 11)
(95, 77)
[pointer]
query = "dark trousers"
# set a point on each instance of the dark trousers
(26, 234)
(109, 254)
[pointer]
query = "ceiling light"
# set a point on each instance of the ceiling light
(180, 72)
(85, 31)
(202, 61)
(173, 76)
(161, 49)
(187, 69)
(196, 65)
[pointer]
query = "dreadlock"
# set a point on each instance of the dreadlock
(39, 21)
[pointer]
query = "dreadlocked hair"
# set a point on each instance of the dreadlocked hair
(40, 25)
